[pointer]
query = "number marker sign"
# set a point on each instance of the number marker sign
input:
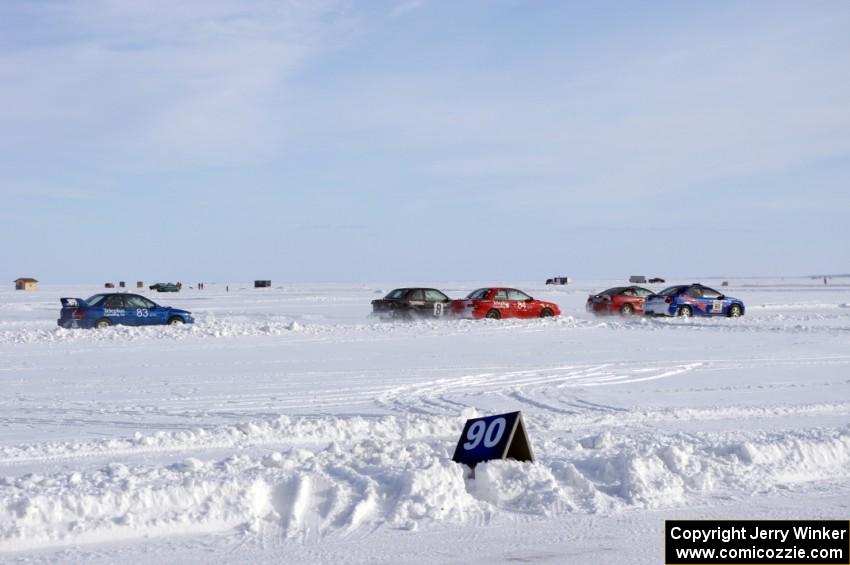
(493, 437)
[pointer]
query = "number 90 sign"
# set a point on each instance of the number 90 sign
(493, 437)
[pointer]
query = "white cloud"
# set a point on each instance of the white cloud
(405, 7)
(753, 101)
(158, 85)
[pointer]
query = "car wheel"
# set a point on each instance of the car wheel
(493, 314)
(734, 311)
(546, 313)
(102, 323)
(627, 309)
(685, 312)
(175, 321)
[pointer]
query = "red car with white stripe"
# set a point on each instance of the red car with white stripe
(502, 303)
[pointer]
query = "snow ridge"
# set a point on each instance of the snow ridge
(306, 494)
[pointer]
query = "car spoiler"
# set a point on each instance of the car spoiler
(72, 302)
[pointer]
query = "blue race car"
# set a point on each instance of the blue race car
(692, 300)
(104, 310)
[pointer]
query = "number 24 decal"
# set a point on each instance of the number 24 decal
(481, 431)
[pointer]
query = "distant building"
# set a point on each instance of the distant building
(262, 284)
(26, 283)
(637, 279)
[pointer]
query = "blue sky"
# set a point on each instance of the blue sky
(317, 141)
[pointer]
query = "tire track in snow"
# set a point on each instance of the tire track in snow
(522, 384)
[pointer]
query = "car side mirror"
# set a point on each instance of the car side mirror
(721, 297)
(529, 299)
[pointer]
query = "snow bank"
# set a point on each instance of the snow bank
(306, 494)
(281, 430)
(295, 493)
(650, 473)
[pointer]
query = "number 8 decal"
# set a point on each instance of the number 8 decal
(491, 434)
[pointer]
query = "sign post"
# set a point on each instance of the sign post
(502, 436)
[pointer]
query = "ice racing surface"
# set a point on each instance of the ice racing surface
(286, 426)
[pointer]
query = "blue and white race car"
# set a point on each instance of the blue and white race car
(692, 300)
(104, 310)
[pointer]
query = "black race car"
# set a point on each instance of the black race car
(410, 303)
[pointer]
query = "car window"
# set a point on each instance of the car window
(613, 291)
(672, 291)
(138, 302)
(114, 301)
(95, 300)
(480, 294)
(709, 293)
(643, 292)
(517, 295)
(695, 292)
(501, 295)
(416, 295)
(432, 295)
(629, 292)
(397, 293)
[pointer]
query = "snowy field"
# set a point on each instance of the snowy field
(287, 426)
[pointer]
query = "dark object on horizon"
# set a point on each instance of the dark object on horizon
(724, 283)
(25, 283)
(262, 284)
(165, 287)
(637, 279)
(140, 284)
(558, 280)
(122, 284)
(108, 285)
(656, 280)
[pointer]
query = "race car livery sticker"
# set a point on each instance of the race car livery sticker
(117, 312)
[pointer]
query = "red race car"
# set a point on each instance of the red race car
(502, 303)
(624, 300)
